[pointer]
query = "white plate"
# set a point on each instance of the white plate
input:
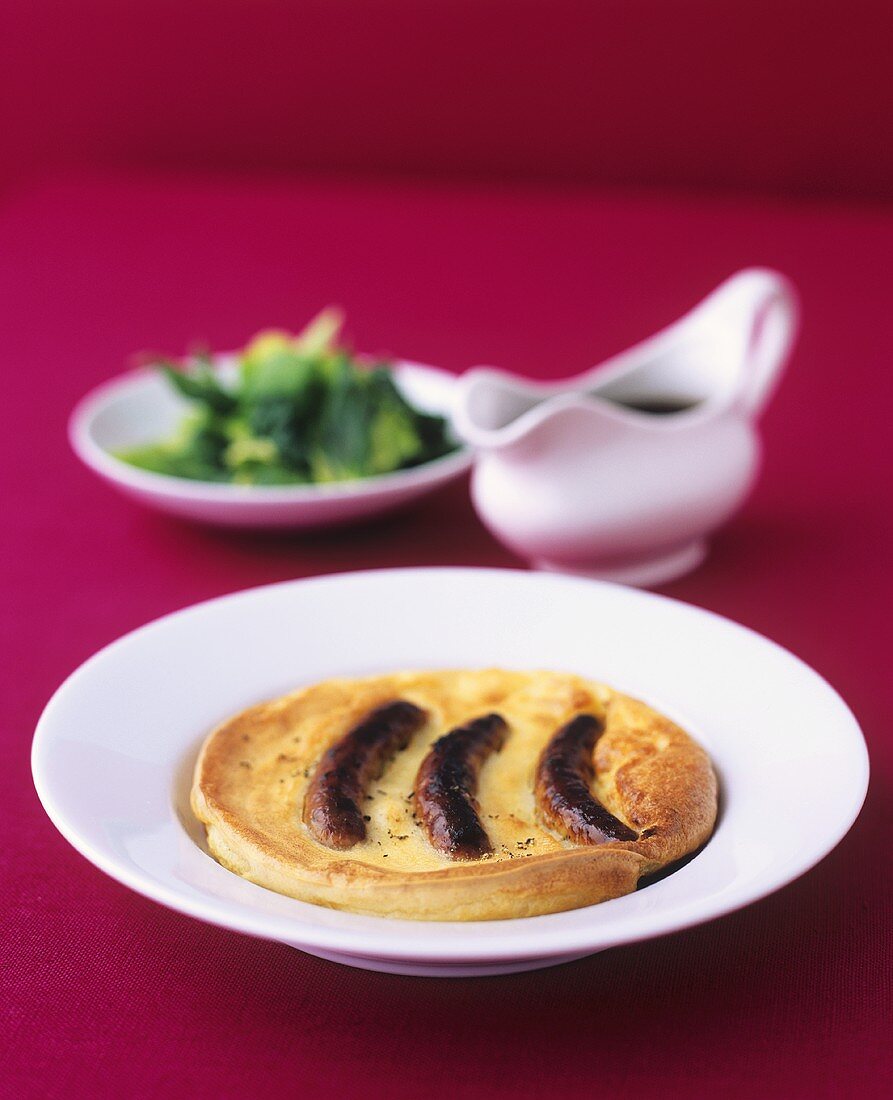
(114, 749)
(140, 407)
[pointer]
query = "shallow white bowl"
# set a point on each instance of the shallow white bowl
(115, 747)
(140, 407)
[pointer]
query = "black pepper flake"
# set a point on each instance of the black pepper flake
(366, 817)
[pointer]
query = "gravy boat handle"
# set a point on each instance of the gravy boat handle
(763, 304)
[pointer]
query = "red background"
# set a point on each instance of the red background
(777, 95)
(124, 227)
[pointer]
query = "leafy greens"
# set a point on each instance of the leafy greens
(303, 410)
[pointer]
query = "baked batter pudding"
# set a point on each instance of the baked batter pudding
(453, 795)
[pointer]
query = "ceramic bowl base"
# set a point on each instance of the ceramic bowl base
(445, 970)
(641, 572)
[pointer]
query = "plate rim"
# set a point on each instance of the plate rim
(553, 943)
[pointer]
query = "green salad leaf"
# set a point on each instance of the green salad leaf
(200, 385)
(302, 410)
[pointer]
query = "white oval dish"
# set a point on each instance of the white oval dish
(139, 407)
(114, 750)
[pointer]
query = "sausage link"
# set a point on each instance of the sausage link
(447, 782)
(332, 803)
(564, 773)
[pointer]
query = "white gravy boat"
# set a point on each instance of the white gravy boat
(621, 472)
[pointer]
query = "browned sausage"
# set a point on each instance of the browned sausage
(562, 786)
(332, 804)
(447, 782)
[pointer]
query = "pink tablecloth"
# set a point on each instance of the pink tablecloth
(108, 994)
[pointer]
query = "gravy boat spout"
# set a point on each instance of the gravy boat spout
(622, 471)
(729, 350)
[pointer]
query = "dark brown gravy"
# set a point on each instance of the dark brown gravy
(658, 406)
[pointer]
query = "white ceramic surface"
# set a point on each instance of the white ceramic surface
(574, 478)
(140, 407)
(115, 747)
